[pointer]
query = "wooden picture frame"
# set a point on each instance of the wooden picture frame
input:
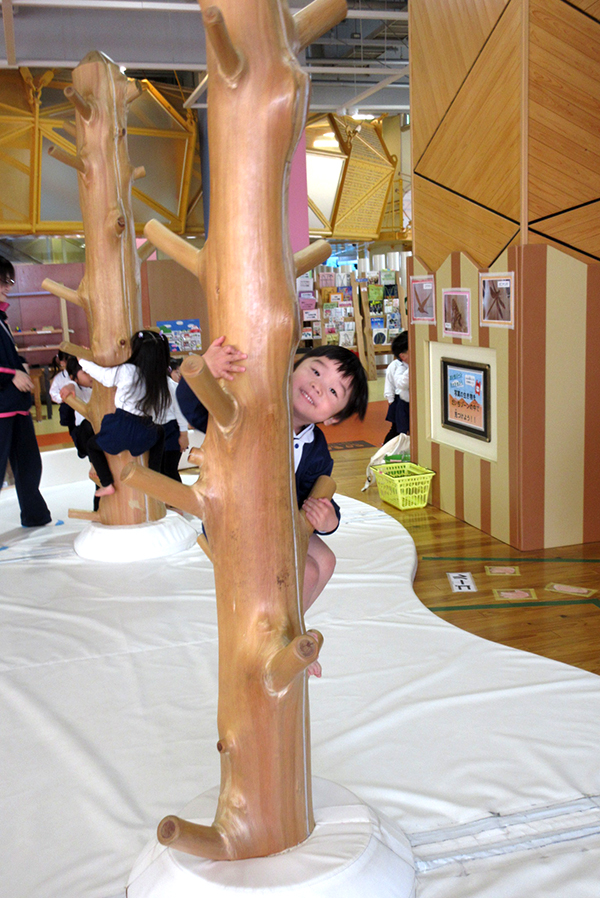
(466, 398)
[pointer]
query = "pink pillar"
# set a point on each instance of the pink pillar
(298, 198)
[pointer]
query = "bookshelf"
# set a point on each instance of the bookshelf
(361, 312)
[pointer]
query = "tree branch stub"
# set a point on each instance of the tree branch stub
(62, 156)
(192, 838)
(221, 405)
(175, 247)
(292, 660)
(80, 352)
(308, 258)
(163, 488)
(62, 291)
(229, 60)
(85, 109)
(317, 18)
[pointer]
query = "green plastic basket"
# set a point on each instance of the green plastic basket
(403, 484)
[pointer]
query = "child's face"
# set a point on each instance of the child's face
(319, 392)
(84, 379)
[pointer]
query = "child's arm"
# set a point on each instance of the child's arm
(402, 381)
(389, 390)
(221, 360)
(106, 376)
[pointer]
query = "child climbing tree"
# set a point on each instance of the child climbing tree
(257, 102)
(110, 289)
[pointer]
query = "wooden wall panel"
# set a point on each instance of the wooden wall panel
(591, 7)
(446, 38)
(476, 151)
(171, 291)
(564, 108)
(579, 228)
(447, 223)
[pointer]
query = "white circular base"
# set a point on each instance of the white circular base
(136, 542)
(352, 852)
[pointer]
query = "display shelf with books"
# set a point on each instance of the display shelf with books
(363, 313)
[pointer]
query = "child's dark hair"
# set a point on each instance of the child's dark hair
(150, 354)
(73, 367)
(174, 364)
(7, 272)
(350, 367)
(400, 344)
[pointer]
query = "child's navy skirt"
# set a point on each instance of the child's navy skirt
(171, 429)
(121, 431)
(398, 414)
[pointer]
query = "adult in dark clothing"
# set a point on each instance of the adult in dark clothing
(17, 435)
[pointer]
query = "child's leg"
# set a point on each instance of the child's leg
(98, 459)
(320, 565)
(156, 452)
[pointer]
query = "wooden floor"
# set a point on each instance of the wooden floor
(559, 626)
(562, 627)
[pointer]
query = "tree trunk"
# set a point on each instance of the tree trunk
(110, 289)
(257, 101)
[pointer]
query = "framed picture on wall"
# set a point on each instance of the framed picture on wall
(456, 305)
(466, 398)
(422, 299)
(497, 300)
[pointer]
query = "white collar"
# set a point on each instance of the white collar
(302, 439)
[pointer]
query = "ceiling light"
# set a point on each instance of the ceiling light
(362, 117)
(326, 144)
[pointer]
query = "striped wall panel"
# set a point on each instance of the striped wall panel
(543, 488)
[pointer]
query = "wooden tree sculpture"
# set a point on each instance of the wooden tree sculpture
(245, 493)
(110, 290)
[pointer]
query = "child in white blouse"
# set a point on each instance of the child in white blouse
(396, 388)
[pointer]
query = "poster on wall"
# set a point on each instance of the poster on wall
(496, 300)
(466, 398)
(183, 334)
(422, 299)
(457, 313)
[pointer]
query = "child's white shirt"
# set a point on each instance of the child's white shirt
(396, 381)
(59, 381)
(83, 393)
(123, 377)
(173, 410)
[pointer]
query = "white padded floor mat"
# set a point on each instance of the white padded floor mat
(485, 756)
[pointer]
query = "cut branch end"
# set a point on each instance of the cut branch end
(192, 838)
(292, 660)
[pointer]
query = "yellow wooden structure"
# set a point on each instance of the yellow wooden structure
(40, 196)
